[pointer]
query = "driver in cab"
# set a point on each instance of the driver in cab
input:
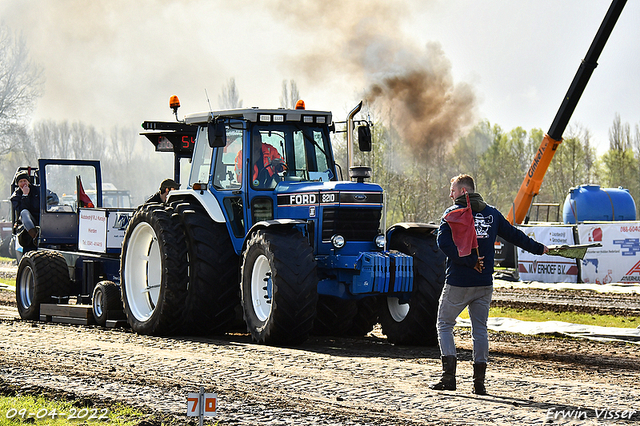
(265, 172)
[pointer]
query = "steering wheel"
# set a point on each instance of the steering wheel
(278, 166)
(268, 180)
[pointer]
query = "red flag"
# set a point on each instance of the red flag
(83, 198)
(463, 229)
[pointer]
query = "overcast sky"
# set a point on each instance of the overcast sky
(117, 62)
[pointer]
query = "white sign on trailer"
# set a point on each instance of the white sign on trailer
(102, 229)
(548, 269)
(618, 260)
(92, 230)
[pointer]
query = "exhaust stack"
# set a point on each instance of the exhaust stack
(350, 134)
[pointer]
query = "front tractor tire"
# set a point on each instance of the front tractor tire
(41, 275)
(279, 287)
(153, 271)
(414, 323)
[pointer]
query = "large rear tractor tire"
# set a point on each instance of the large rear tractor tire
(153, 271)
(414, 323)
(366, 317)
(279, 286)
(334, 316)
(213, 296)
(41, 275)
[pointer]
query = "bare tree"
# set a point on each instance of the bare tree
(21, 83)
(620, 164)
(230, 96)
(290, 94)
(127, 159)
(619, 135)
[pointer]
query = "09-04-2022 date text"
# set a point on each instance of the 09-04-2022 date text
(72, 414)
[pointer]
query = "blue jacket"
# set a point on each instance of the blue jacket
(489, 224)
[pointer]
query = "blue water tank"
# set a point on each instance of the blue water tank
(592, 203)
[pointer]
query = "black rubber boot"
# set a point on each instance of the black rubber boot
(448, 379)
(479, 370)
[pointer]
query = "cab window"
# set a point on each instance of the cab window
(268, 158)
(321, 157)
(201, 164)
(68, 187)
(300, 166)
(229, 163)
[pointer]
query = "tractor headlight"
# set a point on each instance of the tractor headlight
(380, 240)
(337, 241)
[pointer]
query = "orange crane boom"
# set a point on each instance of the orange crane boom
(533, 179)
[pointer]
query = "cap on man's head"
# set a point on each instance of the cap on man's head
(22, 175)
(169, 183)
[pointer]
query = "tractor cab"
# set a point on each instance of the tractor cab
(252, 166)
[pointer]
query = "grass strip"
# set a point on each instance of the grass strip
(571, 317)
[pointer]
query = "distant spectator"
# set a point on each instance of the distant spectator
(166, 186)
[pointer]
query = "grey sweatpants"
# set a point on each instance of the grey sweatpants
(452, 302)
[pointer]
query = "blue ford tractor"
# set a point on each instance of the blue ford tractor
(267, 226)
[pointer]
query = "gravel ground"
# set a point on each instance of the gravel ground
(326, 381)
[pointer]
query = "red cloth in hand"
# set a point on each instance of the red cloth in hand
(463, 229)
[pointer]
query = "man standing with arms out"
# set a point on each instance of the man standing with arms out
(166, 186)
(469, 279)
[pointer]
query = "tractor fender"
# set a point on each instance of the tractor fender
(413, 227)
(204, 198)
(279, 223)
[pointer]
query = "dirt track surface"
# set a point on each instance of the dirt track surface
(333, 381)
(325, 381)
(582, 301)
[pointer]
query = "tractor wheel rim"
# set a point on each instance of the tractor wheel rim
(398, 311)
(261, 286)
(27, 287)
(143, 272)
(98, 303)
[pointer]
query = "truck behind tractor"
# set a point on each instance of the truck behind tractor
(266, 225)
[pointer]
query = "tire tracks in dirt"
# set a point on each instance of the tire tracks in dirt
(325, 381)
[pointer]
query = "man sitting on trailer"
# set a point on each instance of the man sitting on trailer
(26, 205)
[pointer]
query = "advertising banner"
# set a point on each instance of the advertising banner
(618, 260)
(548, 269)
(117, 223)
(92, 230)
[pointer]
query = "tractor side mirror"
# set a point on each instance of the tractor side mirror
(217, 134)
(364, 138)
